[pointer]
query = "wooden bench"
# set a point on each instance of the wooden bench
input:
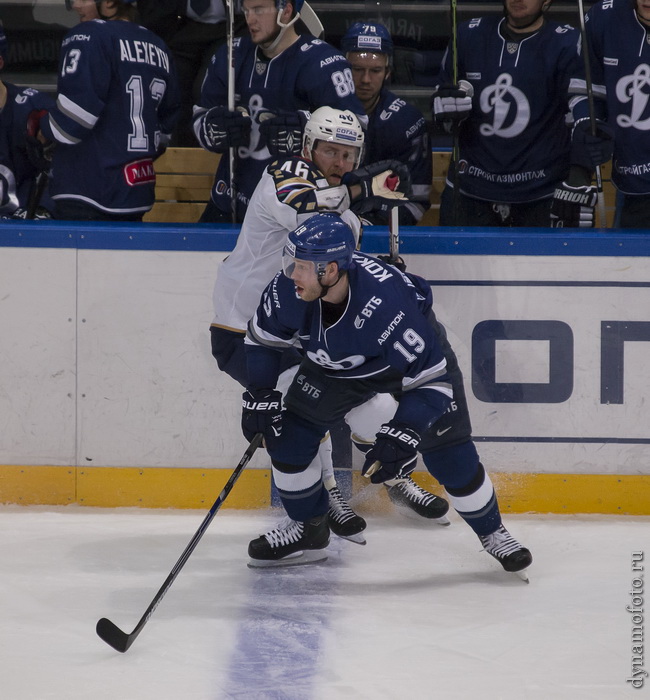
(184, 178)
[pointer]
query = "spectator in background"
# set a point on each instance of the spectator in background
(509, 105)
(277, 73)
(117, 103)
(193, 30)
(21, 160)
(396, 130)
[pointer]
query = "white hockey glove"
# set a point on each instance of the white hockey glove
(451, 104)
(394, 453)
(573, 206)
(387, 182)
(222, 129)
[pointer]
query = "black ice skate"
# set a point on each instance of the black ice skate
(291, 543)
(342, 520)
(410, 499)
(506, 550)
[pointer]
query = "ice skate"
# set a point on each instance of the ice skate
(342, 520)
(412, 500)
(508, 552)
(291, 543)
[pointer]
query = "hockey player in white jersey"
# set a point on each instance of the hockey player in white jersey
(364, 327)
(290, 191)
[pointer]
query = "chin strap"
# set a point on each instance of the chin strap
(283, 29)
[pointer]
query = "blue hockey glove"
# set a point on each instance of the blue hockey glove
(222, 129)
(451, 104)
(283, 132)
(262, 413)
(394, 453)
(387, 182)
(573, 206)
(588, 150)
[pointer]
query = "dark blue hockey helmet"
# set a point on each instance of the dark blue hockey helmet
(368, 37)
(297, 4)
(4, 45)
(322, 239)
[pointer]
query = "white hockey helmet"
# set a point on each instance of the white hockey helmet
(334, 126)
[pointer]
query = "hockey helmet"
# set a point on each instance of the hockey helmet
(367, 37)
(334, 126)
(297, 4)
(322, 239)
(70, 3)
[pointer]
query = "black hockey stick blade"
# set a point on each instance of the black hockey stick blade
(113, 635)
(109, 631)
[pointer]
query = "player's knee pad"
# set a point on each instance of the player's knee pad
(454, 466)
(297, 480)
(365, 420)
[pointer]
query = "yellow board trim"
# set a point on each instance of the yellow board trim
(150, 487)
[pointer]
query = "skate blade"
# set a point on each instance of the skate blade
(523, 575)
(309, 556)
(358, 538)
(412, 515)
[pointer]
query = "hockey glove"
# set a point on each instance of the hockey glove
(451, 104)
(283, 132)
(573, 206)
(40, 214)
(262, 413)
(38, 153)
(387, 182)
(222, 129)
(394, 453)
(399, 263)
(588, 150)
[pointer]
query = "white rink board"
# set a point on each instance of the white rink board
(114, 368)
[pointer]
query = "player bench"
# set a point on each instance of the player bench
(184, 177)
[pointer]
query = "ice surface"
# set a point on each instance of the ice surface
(418, 613)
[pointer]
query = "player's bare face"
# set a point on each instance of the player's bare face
(522, 12)
(643, 10)
(334, 160)
(261, 18)
(86, 9)
(306, 280)
(369, 71)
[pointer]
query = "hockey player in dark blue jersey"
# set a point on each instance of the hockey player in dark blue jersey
(19, 164)
(396, 130)
(364, 327)
(116, 105)
(509, 106)
(277, 74)
(617, 36)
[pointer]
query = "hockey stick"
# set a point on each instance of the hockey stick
(35, 194)
(592, 111)
(393, 240)
(111, 633)
(230, 37)
(455, 147)
(311, 21)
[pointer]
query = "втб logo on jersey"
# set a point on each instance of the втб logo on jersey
(321, 357)
(502, 99)
(634, 88)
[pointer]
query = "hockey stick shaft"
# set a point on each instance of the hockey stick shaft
(311, 21)
(393, 239)
(592, 110)
(111, 633)
(455, 148)
(230, 38)
(36, 194)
